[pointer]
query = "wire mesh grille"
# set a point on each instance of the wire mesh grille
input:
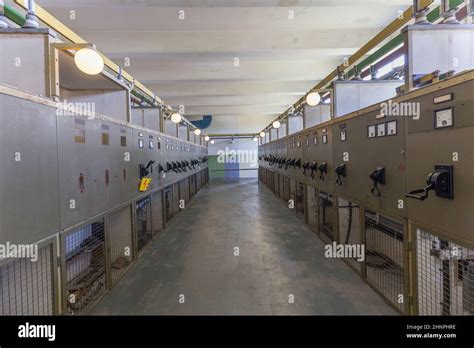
(176, 197)
(312, 204)
(157, 212)
(286, 189)
(349, 226)
(120, 242)
(276, 184)
(384, 256)
(26, 286)
(192, 186)
(85, 267)
(300, 200)
(169, 203)
(143, 214)
(326, 215)
(445, 274)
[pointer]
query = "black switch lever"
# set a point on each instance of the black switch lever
(160, 169)
(341, 173)
(378, 177)
(305, 167)
(314, 168)
(323, 168)
(298, 163)
(145, 170)
(440, 181)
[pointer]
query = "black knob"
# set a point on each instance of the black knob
(341, 173)
(323, 168)
(440, 181)
(305, 167)
(378, 177)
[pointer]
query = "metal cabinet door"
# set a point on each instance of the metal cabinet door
(28, 171)
(82, 165)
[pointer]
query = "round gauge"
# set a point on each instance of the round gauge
(444, 118)
(392, 127)
(381, 129)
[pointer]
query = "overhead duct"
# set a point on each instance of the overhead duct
(204, 123)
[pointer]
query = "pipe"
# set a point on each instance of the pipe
(31, 19)
(14, 15)
(470, 11)
(420, 12)
(3, 21)
(448, 11)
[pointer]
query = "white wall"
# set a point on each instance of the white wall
(246, 148)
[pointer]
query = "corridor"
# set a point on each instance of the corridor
(237, 250)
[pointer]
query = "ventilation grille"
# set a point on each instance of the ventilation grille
(26, 286)
(157, 212)
(349, 226)
(326, 215)
(143, 214)
(445, 276)
(169, 203)
(300, 200)
(286, 189)
(85, 267)
(120, 242)
(384, 256)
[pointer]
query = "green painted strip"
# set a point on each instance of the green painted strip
(14, 15)
(396, 41)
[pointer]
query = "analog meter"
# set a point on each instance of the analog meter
(392, 128)
(381, 130)
(444, 118)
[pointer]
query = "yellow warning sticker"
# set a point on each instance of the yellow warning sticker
(144, 184)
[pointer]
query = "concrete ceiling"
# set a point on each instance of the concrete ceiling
(191, 61)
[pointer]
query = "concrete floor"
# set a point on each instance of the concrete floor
(279, 258)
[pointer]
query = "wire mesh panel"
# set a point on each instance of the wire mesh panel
(281, 179)
(157, 212)
(349, 226)
(187, 196)
(26, 286)
(192, 186)
(384, 256)
(326, 215)
(143, 218)
(312, 208)
(276, 184)
(445, 276)
(300, 200)
(182, 190)
(176, 197)
(168, 196)
(85, 274)
(286, 189)
(120, 239)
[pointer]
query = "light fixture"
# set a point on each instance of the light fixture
(197, 131)
(89, 61)
(262, 134)
(176, 118)
(313, 99)
(276, 124)
(255, 139)
(207, 138)
(212, 142)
